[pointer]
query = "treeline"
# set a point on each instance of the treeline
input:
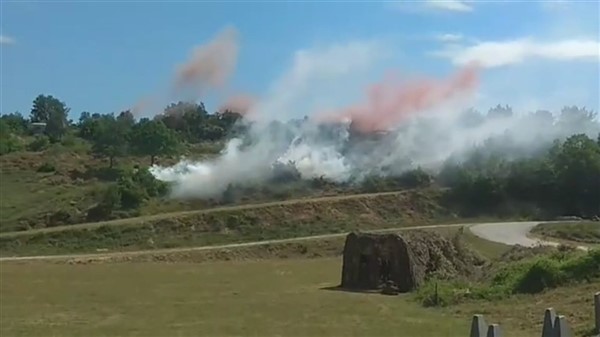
(113, 136)
(561, 179)
(565, 180)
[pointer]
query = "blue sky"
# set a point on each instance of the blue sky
(105, 56)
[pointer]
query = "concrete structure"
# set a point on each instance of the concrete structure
(554, 325)
(478, 326)
(548, 326)
(597, 312)
(480, 329)
(494, 331)
(37, 127)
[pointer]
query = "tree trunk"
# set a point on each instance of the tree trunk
(111, 161)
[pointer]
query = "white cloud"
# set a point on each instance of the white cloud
(449, 5)
(496, 54)
(449, 37)
(6, 39)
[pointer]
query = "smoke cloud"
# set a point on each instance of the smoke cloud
(241, 103)
(209, 68)
(306, 120)
(210, 65)
(391, 102)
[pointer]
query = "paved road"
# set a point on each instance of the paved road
(509, 233)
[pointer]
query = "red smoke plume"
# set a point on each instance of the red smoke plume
(238, 103)
(390, 102)
(211, 64)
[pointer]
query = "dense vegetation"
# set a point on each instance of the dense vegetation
(525, 276)
(98, 166)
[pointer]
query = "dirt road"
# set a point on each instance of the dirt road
(509, 233)
(202, 211)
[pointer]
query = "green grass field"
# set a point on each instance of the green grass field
(256, 298)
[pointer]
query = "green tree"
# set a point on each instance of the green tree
(110, 138)
(15, 123)
(153, 138)
(57, 125)
(45, 106)
(88, 125)
(126, 119)
(577, 164)
(9, 142)
(53, 112)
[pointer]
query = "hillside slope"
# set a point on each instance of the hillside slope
(234, 224)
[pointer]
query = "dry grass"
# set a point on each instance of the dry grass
(583, 232)
(277, 220)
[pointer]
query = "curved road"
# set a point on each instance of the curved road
(509, 233)
(512, 233)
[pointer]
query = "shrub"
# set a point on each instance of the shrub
(542, 274)
(549, 271)
(152, 186)
(585, 267)
(9, 144)
(75, 143)
(40, 143)
(132, 195)
(125, 196)
(46, 168)
(441, 293)
(110, 200)
(415, 178)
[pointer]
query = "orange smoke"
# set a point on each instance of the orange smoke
(238, 103)
(211, 64)
(141, 106)
(390, 102)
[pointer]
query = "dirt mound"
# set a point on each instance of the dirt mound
(372, 261)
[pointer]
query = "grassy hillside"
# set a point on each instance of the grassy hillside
(586, 231)
(218, 226)
(58, 186)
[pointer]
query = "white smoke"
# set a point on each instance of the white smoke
(320, 80)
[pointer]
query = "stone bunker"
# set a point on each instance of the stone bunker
(404, 262)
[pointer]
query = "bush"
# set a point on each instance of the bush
(125, 196)
(40, 143)
(530, 277)
(132, 195)
(9, 143)
(442, 293)
(75, 143)
(46, 168)
(586, 267)
(415, 178)
(110, 200)
(152, 186)
(542, 274)
(549, 272)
